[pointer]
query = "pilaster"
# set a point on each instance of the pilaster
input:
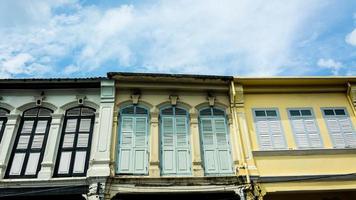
(50, 154)
(8, 141)
(195, 139)
(100, 159)
(154, 169)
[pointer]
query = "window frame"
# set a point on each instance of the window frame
(28, 150)
(212, 117)
(119, 139)
(74, 149)
(347, 115)
(4, 121)
(187, 124)
(278, 117)
(312, 116)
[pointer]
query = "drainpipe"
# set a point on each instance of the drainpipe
(235, 118)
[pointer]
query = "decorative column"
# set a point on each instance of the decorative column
(154, 170)
(50, 154)
(7, 141)
(195, 138)
(96, 191)
(100, 160)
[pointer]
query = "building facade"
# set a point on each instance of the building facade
(158, 136)
(55, 137)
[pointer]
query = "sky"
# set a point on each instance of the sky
(88, 38)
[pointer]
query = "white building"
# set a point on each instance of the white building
(55, 137)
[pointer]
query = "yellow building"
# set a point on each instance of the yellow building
(298, 135)
(220, 137)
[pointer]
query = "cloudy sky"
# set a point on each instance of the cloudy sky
(76, 38)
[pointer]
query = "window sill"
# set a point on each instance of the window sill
(304, 152)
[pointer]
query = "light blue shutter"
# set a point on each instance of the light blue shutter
(126, 145)
(265, 139)
(140, 158)
(313, 133)
(182, 145)
(209, 146)
(168, 146)
(300, 133)
(335, 132)
(222, 145)
(276, 134)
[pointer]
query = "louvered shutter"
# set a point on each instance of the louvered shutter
(300, 133)
(347, 129)
(168, 146)
(265, 139)
(140, 158)
(182, 146)
(126, 145)
(276, 134)
(313, 133)
(209, 146)
(222, 145)
(335, 132)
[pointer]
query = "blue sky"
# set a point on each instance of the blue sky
(77, 38)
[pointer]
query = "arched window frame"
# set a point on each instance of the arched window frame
(213, 117)
(188, 146)
(3, 120)
(74, 149)
(120, 169)
(27, 151)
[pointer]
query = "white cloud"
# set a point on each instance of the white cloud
(331, 64)
(351, 38)
(228, 37)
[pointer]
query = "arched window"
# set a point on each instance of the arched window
(175, 150)
(3, 120)
(30, 143)
(215, 140)
(133, 141)
(74, 147)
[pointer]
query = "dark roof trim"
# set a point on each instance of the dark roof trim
(43, 191)
(162, 75)
(51, 83)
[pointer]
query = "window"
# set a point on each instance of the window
(74, 147)
(3, 120)
(269, 129)
(30, 143)
(305, 129)
(215, 142)
(175, 151)
(340, 127)
(133, 141)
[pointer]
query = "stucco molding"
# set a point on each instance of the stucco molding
(73, 104)
(27, 106)
(130, 102)
(216, 105)
(6, 106)
(179, 104)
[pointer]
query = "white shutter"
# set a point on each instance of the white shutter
(23, 142)
(84, 125)
(64, 163)
(140, 150)
(27, 127)
(83, 140)
(126, 145)
(335, 132)
(17, 163)
(300, 133)
(41, 126)
(68, 140)
(349, 134)
(182, 147)
(313, 133)
(32, 164)
(168, 150)
(79, 162)
(37, 142)
(263, 133)
(223, 147)
(71, 125)
(277, 134)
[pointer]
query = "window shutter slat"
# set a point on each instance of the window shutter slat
(41, 127)
(23, 142)
(71, 125)
(207, 132)
(64, 162)
(335, 132)
(264, 135)
(349, 134)
(83, 140)
(277, 135)
(68, 140)
(84, 125)
(167, 131)
(17, 163)
(140, 132)
(313, 133)
(37, 142)
(27, 127)
(79, 162)
(127, 131)
(221, 136)
(181, 132)
(300, 133)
